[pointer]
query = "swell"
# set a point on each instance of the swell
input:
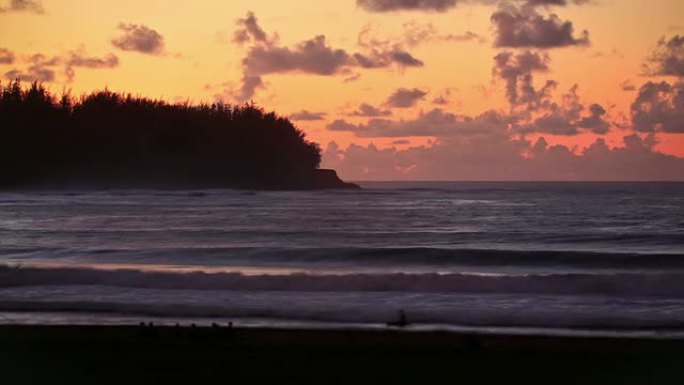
(360, 256)
(619, 284)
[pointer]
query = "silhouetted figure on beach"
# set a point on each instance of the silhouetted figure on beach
(194, 331)
(401, 320)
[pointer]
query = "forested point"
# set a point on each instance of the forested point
(111, 140)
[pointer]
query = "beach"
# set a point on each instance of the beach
(135, 354)
(501, 282)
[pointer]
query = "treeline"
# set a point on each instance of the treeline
(110, 139)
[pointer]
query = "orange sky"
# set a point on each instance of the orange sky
(200, 61)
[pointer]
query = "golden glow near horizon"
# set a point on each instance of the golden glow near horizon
(200, 62)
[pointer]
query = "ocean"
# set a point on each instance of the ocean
(529, 258)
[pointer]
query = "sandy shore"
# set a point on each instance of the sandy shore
(124, 355)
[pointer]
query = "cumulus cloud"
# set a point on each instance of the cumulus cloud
(380, 52)
(312, 56)
(383, 59)
(406, 5)
(524, 27)
(34, 6)
(628, 85)
(249, 31)
(569, 117)
(595, 121)
(306, 115)
(139, 38)
(500, 158)
(80, 58)
(555, 2)
(265, 56)
(659, 107)
(446, 5)
(7, 56)
(40, 68)
(516, 70)
(434, 123)
(444, 98)
(440, 100)
(415, 33)
(668, 58)
(405, 98)
(32, 74)
(248, 87)
(367, 110)
(43, 68)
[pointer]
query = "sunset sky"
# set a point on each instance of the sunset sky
(394, 89)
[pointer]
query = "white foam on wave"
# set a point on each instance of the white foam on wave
(618, 284)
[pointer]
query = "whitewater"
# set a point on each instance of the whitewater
(552, 258)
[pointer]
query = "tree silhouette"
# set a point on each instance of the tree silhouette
(107, 139)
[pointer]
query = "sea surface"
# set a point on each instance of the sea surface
(529, 258)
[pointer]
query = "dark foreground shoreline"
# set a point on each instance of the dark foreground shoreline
(131, 354)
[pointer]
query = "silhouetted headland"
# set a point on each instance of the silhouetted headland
(111, 140)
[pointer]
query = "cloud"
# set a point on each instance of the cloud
(406, 5)
(534, 3)
(516, 71)
(384, 59)
(525, 28)
(80, 58)
(500, 158)
(248, 87)
(33, 74)
(440, 101)
(249, 31)
(595, 121)
(568, 117)
(405, 98)
(312, 56)
(668, 58)
(139, 38)
(308, 115)
(659, 107)
(352, 78)
(367, 110)
(383, 52)
(434, 123)
(565, 118)
(444, 98)
(446, 5)
(34, 6)
(7, 56)
(316, 56)
(415, 34)
(265, 56)
(628, 85)
(40, 69)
